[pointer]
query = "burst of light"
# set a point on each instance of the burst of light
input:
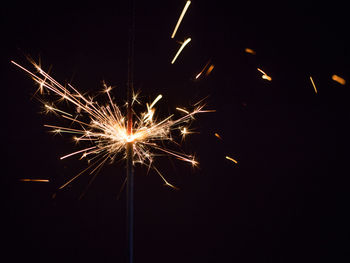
(101, 130)
(180, 49)
(250, 51)
(180, 18)
(313, 84)
(231, 159)
(338, 79)
(265, 76)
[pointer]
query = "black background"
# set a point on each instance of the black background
(287, 198)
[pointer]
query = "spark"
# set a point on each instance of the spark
(250, 51)
(51, 108)
(180, 49)
(183, 110)
(156, 100)
(210, 69)
(180, 18)
(217, 136)
(200, 73)
(100, 131)
(313, 84)
(265, 76)
(338, 79)
(34, 180)
(231, 159)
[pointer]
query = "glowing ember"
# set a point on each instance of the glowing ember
(313, 84)
(250, 51)
(231, 159)
(34, 180)
(338, 79)
(265, 76)
(217, 136)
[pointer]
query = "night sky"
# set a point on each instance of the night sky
(286, 200)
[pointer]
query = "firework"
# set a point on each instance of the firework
(101, 130)
(180, 18)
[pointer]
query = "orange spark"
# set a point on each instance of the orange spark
(34, 180)
(265, 76)
(250, 51)
(313, 84)
(231, 159)
(209, 70)
(200, 73)
(218, 136)
(338, 79)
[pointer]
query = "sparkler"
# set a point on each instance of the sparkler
(103, 128)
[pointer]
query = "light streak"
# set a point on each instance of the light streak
(180, 18)
(250, 51)
(338, 79)
(217, 136)
(180, 49)
(265, 76)
(313, 84)
(34, 180)
(100, 131)
(210, 69)
(200, 73)
(183, 110)
(231, 159)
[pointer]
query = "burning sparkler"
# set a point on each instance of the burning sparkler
(104, 127)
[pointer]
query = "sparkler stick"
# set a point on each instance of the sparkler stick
(129, 145)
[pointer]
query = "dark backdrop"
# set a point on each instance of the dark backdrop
(287, 198)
